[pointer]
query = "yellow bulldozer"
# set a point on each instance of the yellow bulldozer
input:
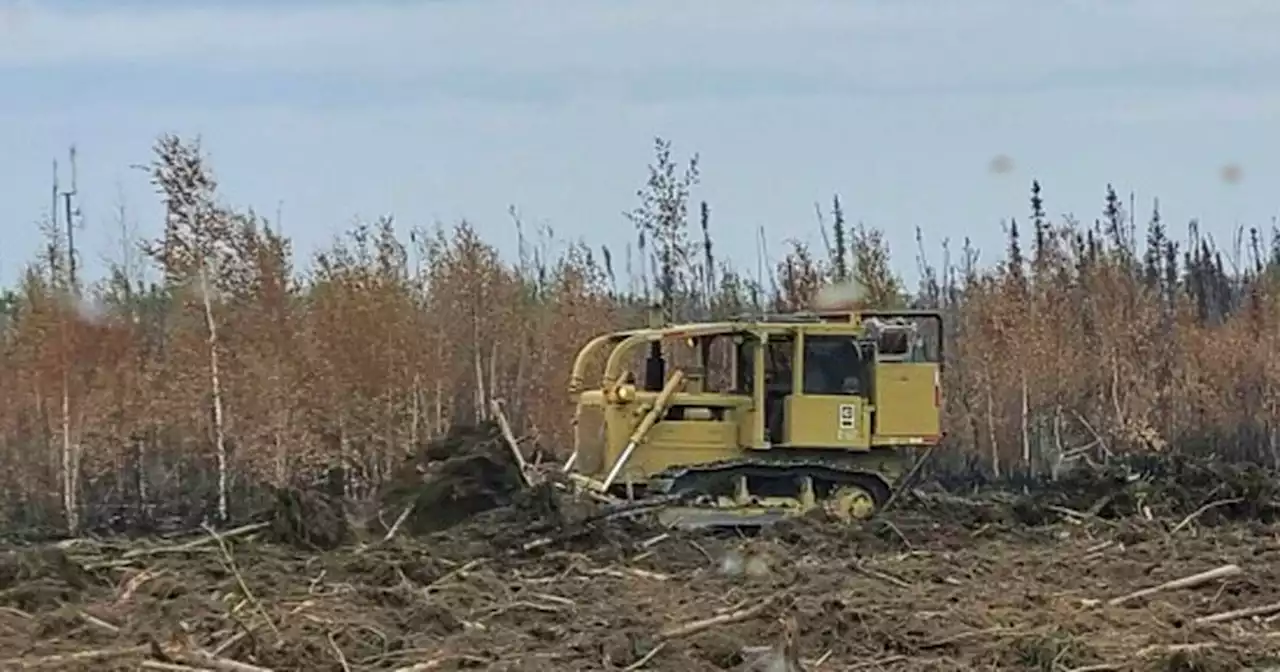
(748, 421)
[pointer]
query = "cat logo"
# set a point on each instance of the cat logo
(848, 416)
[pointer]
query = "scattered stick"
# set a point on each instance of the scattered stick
(395, 527)
(878, 662)
(337, 652)
(622, 573)
(1101, 504)
(232, 641)
(210, 661)
(109, 628)
(510, 437)
(908, 480)
(244, 587)
(1069, 513)
(698, 547)
(169, 667)
(1223, 572)
(437, 662)
(1201, 511)
(424, 666)
(644, 660)
(894, 528)
(887, 578)
(998, 631)
(134, 583)
(454, 573)
(194, 544)
(61, 661)
(694, 627)
(1236, 614)
(655, 540)
(1168, 649)
(1099, 547)
(809, 663)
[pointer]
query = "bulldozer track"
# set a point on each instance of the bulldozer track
(828, 472)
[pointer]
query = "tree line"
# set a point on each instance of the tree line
(238, 369)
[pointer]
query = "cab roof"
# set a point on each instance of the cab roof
(839, 322)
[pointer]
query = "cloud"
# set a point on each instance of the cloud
(611, 47)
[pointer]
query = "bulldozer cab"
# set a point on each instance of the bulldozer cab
(865, 380)
(805, 365)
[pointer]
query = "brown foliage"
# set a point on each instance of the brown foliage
(385, 344)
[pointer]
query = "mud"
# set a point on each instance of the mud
(484, 574)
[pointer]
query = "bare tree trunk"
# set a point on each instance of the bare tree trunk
(415, 413)
(438, 427)
(1115, 396)
(481, 398)
(493, 370)
(70, 484)
(215, 382)
(281, 419)
(282, 458)
(517, 390)
(1273, 428)
(1274, 436)
(344, 449)
(991, 433)
(1026, 430)
(144, 485)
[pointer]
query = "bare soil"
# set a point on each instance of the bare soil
(527, 579)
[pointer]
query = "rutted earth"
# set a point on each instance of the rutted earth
(1047, 581)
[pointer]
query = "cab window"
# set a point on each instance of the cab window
(746, 366)
(835, 365)
(778, 355)
(777, 365)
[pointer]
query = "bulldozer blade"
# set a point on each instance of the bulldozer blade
(690, 518)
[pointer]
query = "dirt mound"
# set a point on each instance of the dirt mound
(448, 481)
(310, 519)
(466, 472)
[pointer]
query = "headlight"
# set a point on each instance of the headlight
(626, 393)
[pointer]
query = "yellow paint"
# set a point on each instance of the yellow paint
(850, 503)
(816, 421)
(904, 400)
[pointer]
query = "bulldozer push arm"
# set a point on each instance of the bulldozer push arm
(650, 418)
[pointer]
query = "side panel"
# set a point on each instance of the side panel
(828, 421)
(670, 443)
(906, 400)
(674, 443)
(748, 429)
(591, 439)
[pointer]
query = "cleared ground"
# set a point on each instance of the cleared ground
(947, 582)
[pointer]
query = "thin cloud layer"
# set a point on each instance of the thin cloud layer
(919, 44)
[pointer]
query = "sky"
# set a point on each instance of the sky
(328, 113)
